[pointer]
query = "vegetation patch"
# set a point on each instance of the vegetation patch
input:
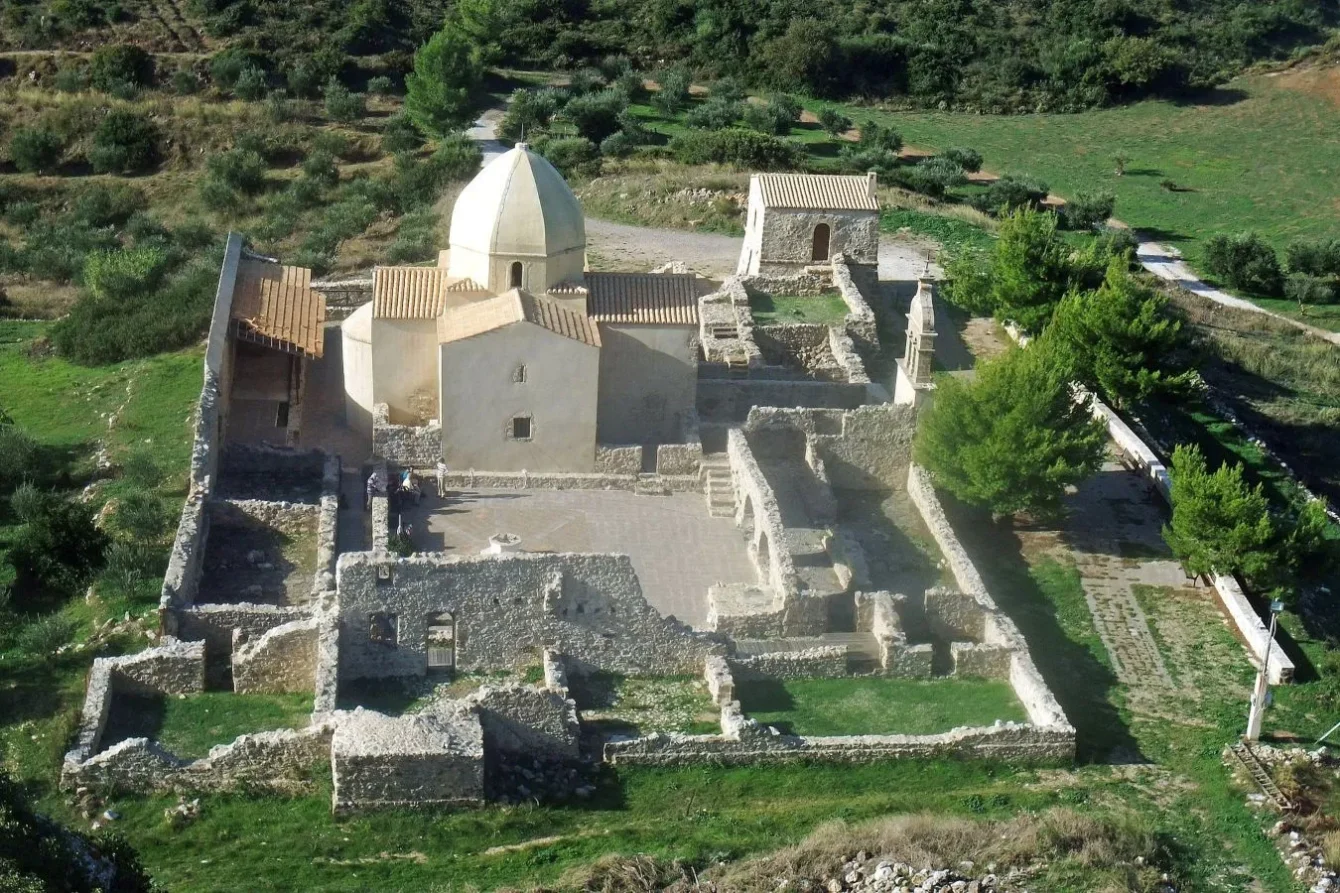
(878, 706)
(828, 310)
(639, 705)
(189, 726)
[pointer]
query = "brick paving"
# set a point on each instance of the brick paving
(677, 548)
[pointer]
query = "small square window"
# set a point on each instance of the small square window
(519, 373)
(521, 428)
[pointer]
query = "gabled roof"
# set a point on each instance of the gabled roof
(478, 317)
(275, 306)
(643, 298)
(821, 192)
(415, 292)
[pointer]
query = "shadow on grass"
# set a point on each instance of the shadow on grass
(593, 691)
(1082, 684)
(764, 696)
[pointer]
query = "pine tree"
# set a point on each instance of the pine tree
(1118, 339)
(440, 91)
(1219, 523)
(1011, 439)
(1030, 274)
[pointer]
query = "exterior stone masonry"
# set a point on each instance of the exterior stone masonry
(507, 609)
(428, 759)
(418, 446)
(283, 659)
(523, 719)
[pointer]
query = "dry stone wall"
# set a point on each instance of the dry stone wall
(215, 624)
(758, 513)
(282, 659)
(863, 448)
(523, 719)
(860, 324)
(507, 609)
(621, 460)
(819, 662)
(411, 446)
(425, 759)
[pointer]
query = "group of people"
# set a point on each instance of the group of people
(408, 484)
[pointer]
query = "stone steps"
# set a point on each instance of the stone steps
(718, 486)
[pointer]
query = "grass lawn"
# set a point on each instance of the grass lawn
(190, 726)
(639, 705)
(877, 706)
(829, 310)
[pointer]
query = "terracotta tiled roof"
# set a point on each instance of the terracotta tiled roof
(826, 192)
(415, 292)
(514, 306)
(275, 306)
(645, 298)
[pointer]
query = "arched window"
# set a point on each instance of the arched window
(516, 274)
(820, 248)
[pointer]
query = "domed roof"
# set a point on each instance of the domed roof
(518, 204)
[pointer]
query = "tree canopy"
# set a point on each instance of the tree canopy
(1219, 523)
(440, 91)
(1012, 438)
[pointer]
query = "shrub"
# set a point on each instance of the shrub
(740, 148)
(573, 156)
(381, 85)
(673, 95)
(1219, 523)
(1244, 261)
(185, 82)
(968, 159)
(71, 79)
(528, 113)
(125, 272)
(1308, 289)
(239, 169)
(768, 118)
(1010, 193)
(125, 142)
(887, 164)
(18, 456)
(141, 471)
(305, 78)
(1088, 210)
(57, 547)
(876, 136)
(618, 145)
(631, 84)
(595, 115)
(416, 239)
(45, 635)
(141, 516)
(342, 105)
(933, 177)
(23, 214)
(119, 65)
(400, 135)
(833, 121)
(727, 89)
(251, 84)
(319, 166)
(715, 114)
(107, 204)
(1315, 258)
(279, 107)
(227, 66)
(35, 150)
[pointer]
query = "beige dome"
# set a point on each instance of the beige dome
(518, 205)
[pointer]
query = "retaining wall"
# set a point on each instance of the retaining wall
(415, 446)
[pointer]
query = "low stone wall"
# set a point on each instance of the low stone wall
(297, 520)
(327, 528)
(181, 582)
(344, 296)
(326, 681)
(172, 668)
(555, 672)
(248, 459)
(720, 681)
(745, 610)
(523, 719)
(411, 446)
(283, 659)
(803, 346)
(981, 660)
(1029, 686)
(863, 448)
(419, 760)
(729, 400)
(843, 350)
(825, 662)
(380, 512)
(1009, 742)
(954, 615)
(281, 761)
(878, 611)
(527, 480)
(679, 458)
(620, 460)
(216, 624)
(860, 324)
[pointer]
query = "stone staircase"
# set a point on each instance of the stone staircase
(717, 485)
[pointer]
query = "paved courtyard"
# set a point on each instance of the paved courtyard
(677, 548)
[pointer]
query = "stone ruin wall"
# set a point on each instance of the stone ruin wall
(507, 610)
(864, 448)
(282, 659)
(758, 513)
(787, 237)
(1029, 686)
(524, 719)
(410, 446)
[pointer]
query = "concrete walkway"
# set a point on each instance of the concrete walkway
(1166, 264)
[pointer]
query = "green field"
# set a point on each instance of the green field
(878, 706)
(1259, 154)
(188, 727)
(829, 310)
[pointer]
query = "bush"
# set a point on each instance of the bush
(141, 516)
(400, 135)
(1315, 258)
(1011, 192)
(673, 95)
(933, 177)
(343, 105)
(618, 145)
(44, 636)
(141, 471)
(595, 115)
(740, 148)
(185, 82)
(1088, 210)
(833, 121)
(631, 84)
(968, 159)
(125, 272)
(1244, 261)
(242, 170)
(227, 66)
(35, 150)
(18, 456)
(715, 114)
(416, 239)
(107, 204)
(876, 136)
(57, 548)
(251, 84)
(573, 156)
(125, 142)
(528, 113)
(117, 66)
(71, 79)
(381, 85)
(768, 118)
(1307, 289)
(727, 89)
(319, 167)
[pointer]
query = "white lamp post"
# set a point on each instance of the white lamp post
(1261, 693)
